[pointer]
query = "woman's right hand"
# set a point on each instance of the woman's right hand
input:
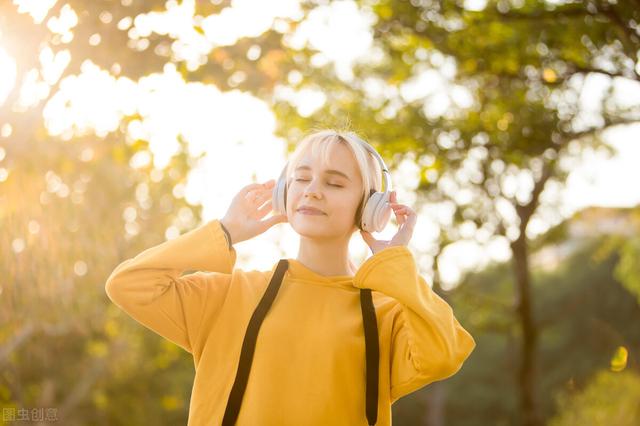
(243, 219)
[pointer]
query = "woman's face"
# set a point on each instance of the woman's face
(335, 190)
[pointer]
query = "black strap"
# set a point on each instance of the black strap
(249, 345)
(248, 348)
(372, 351)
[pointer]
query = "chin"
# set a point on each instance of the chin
(325, 230)
(309, 229)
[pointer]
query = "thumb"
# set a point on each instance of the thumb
(273, 220)
(366, 236)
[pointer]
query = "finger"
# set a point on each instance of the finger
(262, 211)
(404, 233)
(261, 198)
(275, 219)
(248, 188)
(263, 190)
(402, 214)
(409, 220)
(266, 186)
(399, 208)
(251, 197)
(367, 237)
(260, 189)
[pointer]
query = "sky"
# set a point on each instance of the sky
(215, 123)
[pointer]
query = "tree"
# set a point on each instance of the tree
(496, 160)
(585, 323)
(610, 398)
(71, 210)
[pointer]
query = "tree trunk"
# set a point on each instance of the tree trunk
(435, 401)
(435, 397)
(527, 376)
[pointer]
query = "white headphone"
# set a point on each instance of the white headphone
(376, 212)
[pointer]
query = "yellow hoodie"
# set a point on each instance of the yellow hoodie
(309, 362)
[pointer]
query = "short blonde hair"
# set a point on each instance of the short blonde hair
(322, 142)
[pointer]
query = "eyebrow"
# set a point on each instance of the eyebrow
(328, 171)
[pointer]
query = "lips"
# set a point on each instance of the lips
(310, 210)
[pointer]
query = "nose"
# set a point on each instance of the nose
(311, 189)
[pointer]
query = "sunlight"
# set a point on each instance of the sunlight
(244, 18)
(247, 18)
(64, 23)
(90, 102)
(341, 33)
(52, 66)
(475, 5)
(38, 9)
(601, 180)
(7, 74)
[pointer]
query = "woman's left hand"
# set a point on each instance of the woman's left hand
(406, 218)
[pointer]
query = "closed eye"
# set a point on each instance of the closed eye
(307, 180)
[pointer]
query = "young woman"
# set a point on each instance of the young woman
(310, 361)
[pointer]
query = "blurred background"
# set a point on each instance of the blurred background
(512, 127)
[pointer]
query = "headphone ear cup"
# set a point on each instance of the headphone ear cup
(360, 210)
(279, 196)
(367, 213)
(376, 212)
(284, 197)
(383, 211)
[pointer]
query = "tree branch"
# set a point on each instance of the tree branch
(580, 69)
(567, 12)
(569, 136)
(610, 12)
(14, 343)
(526, 211)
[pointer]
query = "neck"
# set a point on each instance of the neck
(326, 257)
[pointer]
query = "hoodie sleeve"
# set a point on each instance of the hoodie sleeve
(150, 289)
(427, 342)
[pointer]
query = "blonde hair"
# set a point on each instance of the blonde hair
(322, 142)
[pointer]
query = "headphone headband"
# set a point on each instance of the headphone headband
(383, 166)
(385, 172)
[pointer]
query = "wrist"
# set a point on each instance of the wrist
(227, 232)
